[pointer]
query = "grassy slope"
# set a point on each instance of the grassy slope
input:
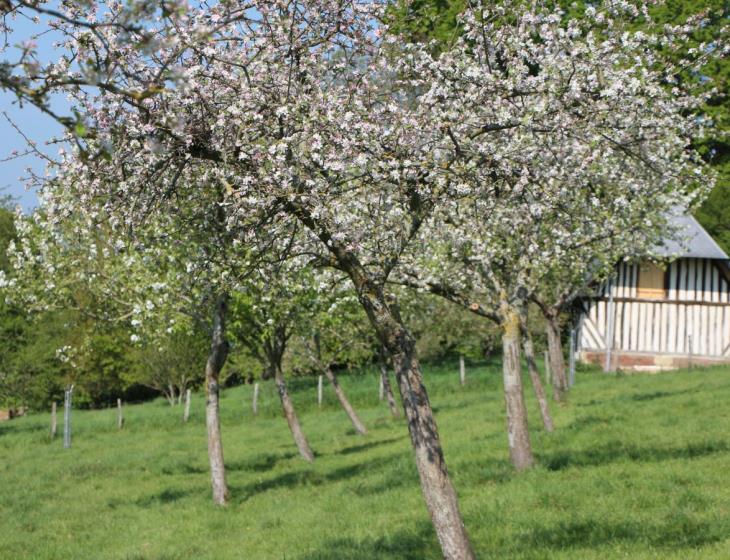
(638, 467)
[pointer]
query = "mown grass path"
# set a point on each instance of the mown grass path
(638, 468)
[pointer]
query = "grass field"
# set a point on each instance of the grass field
(638, 468)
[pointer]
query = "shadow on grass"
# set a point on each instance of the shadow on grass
(167, 496)
(260, 463)
(640, 397)
(366, 446)
(312, 478)
(674, 532)
(23, 426)
(615, 451)
(183, 468)
(416, 545)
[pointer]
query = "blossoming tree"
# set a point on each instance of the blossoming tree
(568, 148)
(169, 274)
(308, 111)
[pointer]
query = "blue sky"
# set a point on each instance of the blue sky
(34, 125)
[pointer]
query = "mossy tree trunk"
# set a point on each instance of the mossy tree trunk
(557, 360)
(438, 492)
(518, 435)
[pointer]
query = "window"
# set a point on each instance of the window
(652, 283)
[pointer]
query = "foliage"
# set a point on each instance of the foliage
(171, 364)
(444, 330)
(652, 446)
(583, 171)
(427, 21)
(7, 234)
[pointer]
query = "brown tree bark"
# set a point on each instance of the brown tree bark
(352, 415)
(387, 389)
(547, 420)
(557, 360)
(518, 435)
(216, 360)
(291, 417)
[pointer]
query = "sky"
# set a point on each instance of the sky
(33, 124)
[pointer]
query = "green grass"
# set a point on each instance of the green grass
(638, 468)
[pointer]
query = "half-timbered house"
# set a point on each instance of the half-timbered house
(658, 316)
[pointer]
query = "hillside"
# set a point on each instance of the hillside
(637, 468)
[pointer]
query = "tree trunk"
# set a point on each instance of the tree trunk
(213, 367)
(439, 493)
(462, 371)
(170, 395)
(291, 417)
(385, 384)
(547, 420)
(356, 422)
(518, 435)
(557, 361)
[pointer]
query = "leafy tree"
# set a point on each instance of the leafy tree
(170, 364)
(428, 21)
(7, 232)
(280, 105)
(266, 313)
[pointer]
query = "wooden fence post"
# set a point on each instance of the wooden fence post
(120, 414)
(54, 419)
(255, 399)
(186, 414)
(462, 371)
(319, 392)
(67, 417)
(691, 351)
(571, 359)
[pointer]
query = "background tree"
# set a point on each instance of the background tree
(335, 337)
(171, 364)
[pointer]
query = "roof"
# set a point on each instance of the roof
(690, 241)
